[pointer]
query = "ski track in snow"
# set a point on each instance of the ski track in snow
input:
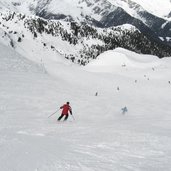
(101, 138)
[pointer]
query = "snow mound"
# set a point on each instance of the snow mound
(113, 59)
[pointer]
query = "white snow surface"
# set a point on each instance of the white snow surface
(76, 8)
(100, 138)
(20, 6)
(160, 8)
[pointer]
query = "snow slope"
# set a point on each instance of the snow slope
(160, 8)
(20, 6)
(12, 61)
(101, 137)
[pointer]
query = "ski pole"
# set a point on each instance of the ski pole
(53, 113)
(73, 117)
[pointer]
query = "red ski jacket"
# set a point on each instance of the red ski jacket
(66, 108)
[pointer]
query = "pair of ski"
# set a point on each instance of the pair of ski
(63, 122)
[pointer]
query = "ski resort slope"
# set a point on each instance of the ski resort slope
(100, 138)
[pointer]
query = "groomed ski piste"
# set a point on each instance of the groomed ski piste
(101, 138)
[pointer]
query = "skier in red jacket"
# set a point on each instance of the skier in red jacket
(65, 109)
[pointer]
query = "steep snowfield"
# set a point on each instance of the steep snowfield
(100, 138)
(72, 9)
(12, 61)
(160, 8)
(18, 6)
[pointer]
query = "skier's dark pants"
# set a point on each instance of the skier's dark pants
(60, 117)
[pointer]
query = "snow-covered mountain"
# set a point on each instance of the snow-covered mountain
(78, 42)
(74, 8)
(153, 14)
(86, 27)
(144, 15)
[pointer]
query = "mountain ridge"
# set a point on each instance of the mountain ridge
(85, 39)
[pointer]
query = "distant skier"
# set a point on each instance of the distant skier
(124, 110)
(65, 109)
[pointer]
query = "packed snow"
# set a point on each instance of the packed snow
(102, 137)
